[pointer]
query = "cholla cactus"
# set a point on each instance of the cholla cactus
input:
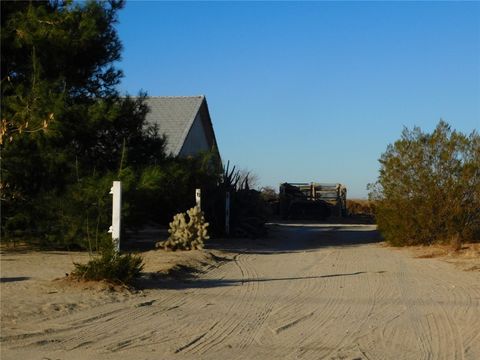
(186, 235)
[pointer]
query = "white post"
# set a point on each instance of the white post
(227, 213)
(198, 198)
(116, 191)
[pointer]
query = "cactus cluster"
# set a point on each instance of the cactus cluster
(186, 235)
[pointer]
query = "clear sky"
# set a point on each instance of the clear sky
(309, 91)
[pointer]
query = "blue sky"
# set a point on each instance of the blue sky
(309, 91)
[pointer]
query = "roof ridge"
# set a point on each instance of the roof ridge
(174, 96)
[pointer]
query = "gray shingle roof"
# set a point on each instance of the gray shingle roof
(174, 116)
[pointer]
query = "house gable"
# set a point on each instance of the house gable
(185, 120)
(196, 139)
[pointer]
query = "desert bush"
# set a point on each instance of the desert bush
(110, 265)
(360, 207)
(186, 235)
(428, 189)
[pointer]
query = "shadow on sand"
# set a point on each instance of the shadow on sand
(150, 281)
(282, 239)
(286, 238)
(13, 279)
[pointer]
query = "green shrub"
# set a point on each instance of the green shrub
(111, 266)
(428, 189)
(186, 235)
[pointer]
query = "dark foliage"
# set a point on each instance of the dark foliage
(248, 209)
(168, 188)
(249, 213)
(66, 132)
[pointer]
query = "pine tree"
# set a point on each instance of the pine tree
(63, 121)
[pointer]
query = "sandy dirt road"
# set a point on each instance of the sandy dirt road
(307, 292)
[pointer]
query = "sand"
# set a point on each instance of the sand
(306, 292)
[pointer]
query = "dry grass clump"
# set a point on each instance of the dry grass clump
(467, 258)
(471, 251)
(465, 251)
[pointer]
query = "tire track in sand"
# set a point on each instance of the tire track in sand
(315, 300)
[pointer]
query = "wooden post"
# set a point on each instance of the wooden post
(115, 229)
(198, 198)
(344, 201)
(338, 204)
(227, 213)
